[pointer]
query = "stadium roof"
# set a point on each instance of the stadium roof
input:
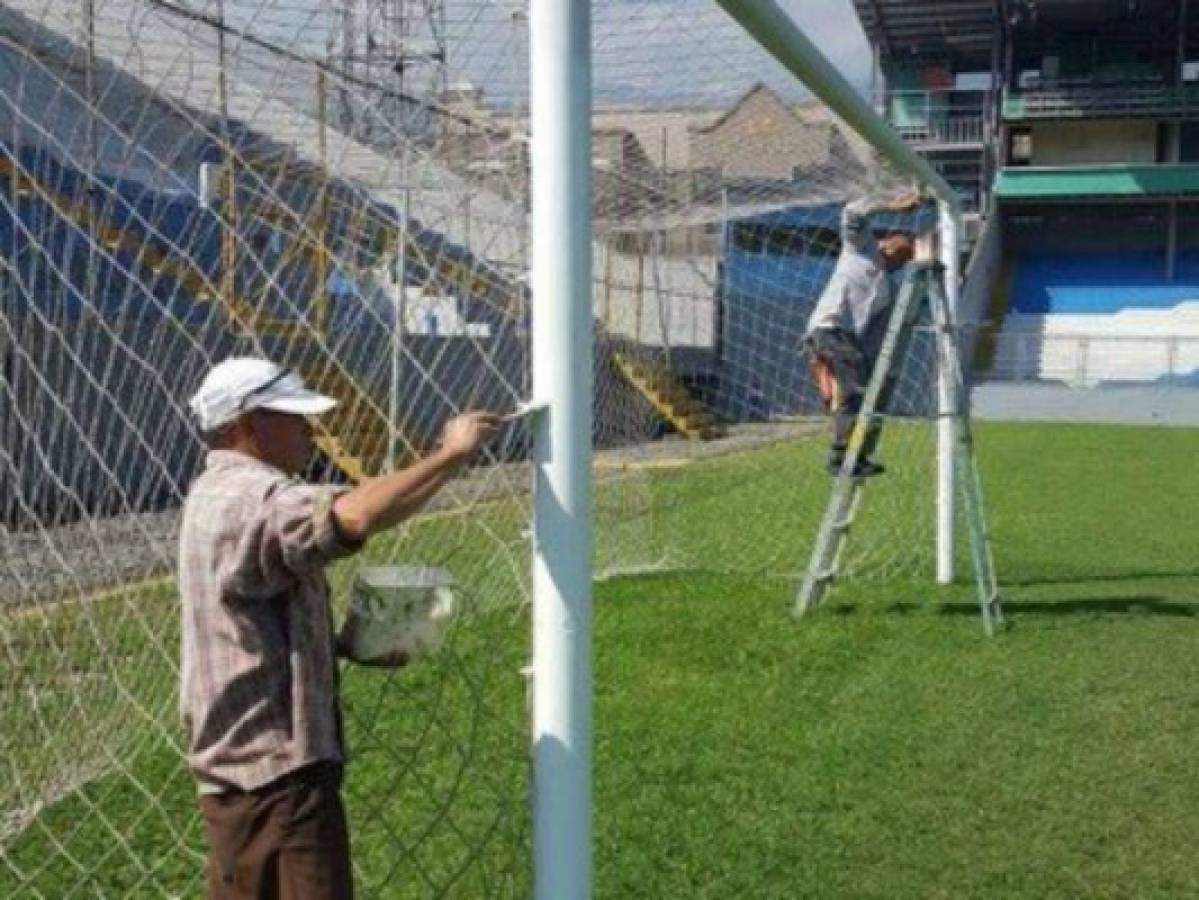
(1057, 13)
(962, 29)
(1136, 20)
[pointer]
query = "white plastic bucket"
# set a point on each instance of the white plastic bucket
(397, 614)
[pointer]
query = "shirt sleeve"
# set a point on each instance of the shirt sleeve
(291, 534)
(862, 206)
(855, 222)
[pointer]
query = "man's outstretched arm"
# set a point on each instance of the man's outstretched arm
(381, 503)
(903, 202)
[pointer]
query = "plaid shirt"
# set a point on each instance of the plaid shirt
(259, 679)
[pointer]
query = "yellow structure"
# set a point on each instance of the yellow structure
(355, 439)
(668, 396)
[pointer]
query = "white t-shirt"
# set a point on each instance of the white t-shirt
(859, 288)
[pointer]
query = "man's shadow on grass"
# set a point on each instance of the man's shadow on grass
(1137, 604)
(1050, 580)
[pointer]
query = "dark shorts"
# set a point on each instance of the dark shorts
(285, 841)
(843, 353)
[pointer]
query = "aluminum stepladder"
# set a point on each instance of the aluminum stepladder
(923, 284)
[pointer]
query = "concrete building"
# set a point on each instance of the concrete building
(763, 137)
(1082, 122)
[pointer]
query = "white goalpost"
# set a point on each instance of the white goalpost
(774, 29)
(560, 116)
(776, 32)
(609, 220)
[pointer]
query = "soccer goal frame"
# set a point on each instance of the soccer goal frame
(560, 222)
(560, 115)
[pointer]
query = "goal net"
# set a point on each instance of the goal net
(344, 188)
(717, 216)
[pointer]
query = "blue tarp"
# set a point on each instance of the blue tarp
(767, 298)
(828, 216)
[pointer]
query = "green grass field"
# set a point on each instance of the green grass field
(881, 748)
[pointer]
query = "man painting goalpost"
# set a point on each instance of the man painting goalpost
(259, 677)
(843, 333)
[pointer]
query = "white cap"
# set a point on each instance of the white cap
(241, 384)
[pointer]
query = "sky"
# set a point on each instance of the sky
(680, 48)
(646, 52)
(833, 26)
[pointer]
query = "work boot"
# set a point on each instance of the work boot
(864, 468)
(868, 469)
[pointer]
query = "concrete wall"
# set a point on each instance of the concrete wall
(1086, 350)
(664, 135)
(982, 274)
(656, 300)
(1093, 142)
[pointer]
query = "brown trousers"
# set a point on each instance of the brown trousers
(285, 841)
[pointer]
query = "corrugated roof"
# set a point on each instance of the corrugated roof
(964, 29)
(1051, 13)
(961, 28)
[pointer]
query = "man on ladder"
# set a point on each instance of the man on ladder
(923, 288)
(843, 333)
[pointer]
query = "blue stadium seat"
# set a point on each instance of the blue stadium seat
(1094, 285)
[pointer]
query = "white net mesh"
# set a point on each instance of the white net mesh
(719, 186)
(184, 181)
